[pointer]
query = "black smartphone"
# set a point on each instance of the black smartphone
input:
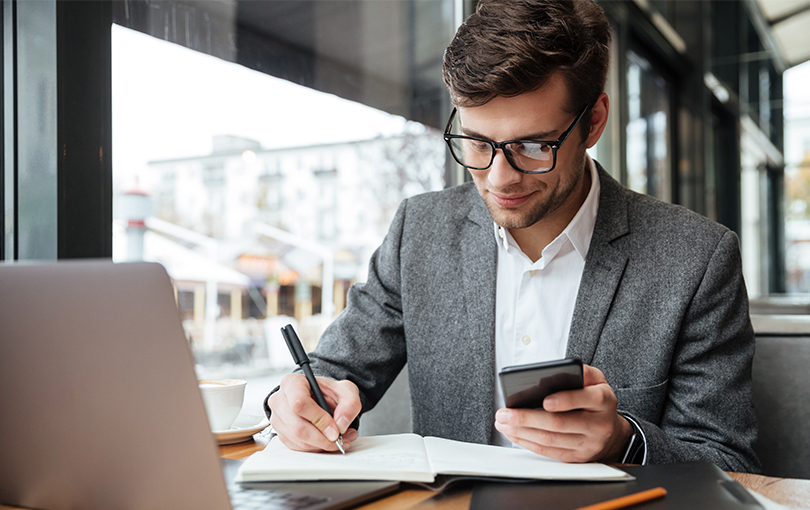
(526, 386)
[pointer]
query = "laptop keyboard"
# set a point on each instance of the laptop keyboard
(266, 499)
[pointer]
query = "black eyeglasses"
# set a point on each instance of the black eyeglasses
(526, 156)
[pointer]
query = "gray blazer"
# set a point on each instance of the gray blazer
(661, 310)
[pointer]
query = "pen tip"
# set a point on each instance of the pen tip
(339, 444)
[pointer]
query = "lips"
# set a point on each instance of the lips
(510, 200)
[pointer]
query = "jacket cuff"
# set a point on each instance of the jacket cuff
(267, 411)
(636, 452)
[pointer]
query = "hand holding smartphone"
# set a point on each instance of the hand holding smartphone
(526, 386)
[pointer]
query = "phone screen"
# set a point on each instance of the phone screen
(526, 386)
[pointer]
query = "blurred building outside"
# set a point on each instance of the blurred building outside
(252, 237)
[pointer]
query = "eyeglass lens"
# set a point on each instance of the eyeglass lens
(477, 154)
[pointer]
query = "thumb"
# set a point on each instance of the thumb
(592, 375)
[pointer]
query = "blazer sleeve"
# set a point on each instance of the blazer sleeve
(366, 343)
(709, 413)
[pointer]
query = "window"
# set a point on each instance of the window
(648, 129)
(797, 178)
(262, 197)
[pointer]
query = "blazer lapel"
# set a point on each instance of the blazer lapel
(479, 272)
(603, 271)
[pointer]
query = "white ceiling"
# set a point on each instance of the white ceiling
(790, 23)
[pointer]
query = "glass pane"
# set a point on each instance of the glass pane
(607, 151)
(648, 158)
(264, 199)
(797, 178)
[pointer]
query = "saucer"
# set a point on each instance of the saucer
(242, 429)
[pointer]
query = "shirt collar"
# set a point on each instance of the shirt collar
(579, 231)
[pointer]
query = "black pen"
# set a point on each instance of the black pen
(302, 360)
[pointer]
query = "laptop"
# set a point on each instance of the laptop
(99, 404)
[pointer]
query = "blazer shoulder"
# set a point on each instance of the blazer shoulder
(449, 204)
(650, 214)
(647, 220)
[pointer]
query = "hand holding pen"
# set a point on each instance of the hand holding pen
(300, 423)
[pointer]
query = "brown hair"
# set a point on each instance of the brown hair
(509, 47)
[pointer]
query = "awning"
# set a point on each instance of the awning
(189, 267)
(789, 22)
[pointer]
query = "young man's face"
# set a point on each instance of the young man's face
(515, 199)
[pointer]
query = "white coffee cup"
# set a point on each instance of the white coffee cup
(223, 400)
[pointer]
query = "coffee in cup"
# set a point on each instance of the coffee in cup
(223, 400)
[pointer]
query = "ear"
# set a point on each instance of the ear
(599, 116)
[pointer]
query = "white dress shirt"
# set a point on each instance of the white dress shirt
(534, 301)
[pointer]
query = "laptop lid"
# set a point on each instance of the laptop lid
(99, 406)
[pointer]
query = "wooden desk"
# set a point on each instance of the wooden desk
(786, 491)
(411, 499)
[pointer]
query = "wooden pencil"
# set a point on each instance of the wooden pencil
(625, 501)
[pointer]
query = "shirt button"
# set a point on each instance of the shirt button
(525, 339)
(533, 272)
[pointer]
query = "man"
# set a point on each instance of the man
(544, 257)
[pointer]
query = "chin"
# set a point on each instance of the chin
(512, 218)
(515, 223)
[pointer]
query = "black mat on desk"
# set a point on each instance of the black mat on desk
(689, 485)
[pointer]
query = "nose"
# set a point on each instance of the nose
(501, 174)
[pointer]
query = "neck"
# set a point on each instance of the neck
(533, 239)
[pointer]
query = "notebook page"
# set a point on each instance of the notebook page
(449, 457)
(394, 457)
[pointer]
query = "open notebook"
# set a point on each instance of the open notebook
(411, 458)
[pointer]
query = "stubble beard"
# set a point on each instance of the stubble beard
(515, 218)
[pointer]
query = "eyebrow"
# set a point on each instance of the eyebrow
(542, 136)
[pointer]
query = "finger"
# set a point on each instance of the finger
(299, 416)
(346, 398)
(351, 435)
(576, 399)
(545, 428)
(303, 404)
(538, 437)
(563, 454)
(597, 397)
(291, 443)
(305, 407)
(296, 432)
(516, 418)
(348, 438)
(568, 440)
(531, 418)
(572, 422)
(572, 447)
(287, 436)
(303, 435)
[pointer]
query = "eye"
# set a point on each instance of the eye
(539, 151)
(477, 145)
